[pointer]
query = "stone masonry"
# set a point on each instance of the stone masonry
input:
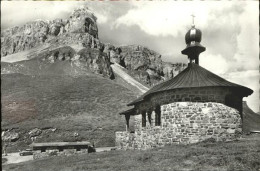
(55, 152)
(183, 123)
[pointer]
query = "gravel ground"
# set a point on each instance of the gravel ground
(16, 158)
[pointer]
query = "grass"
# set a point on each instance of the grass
(238, 155)
(251, 119)
(88, 105)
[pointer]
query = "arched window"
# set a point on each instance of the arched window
(157, 115)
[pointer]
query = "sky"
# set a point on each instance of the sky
(230, 30)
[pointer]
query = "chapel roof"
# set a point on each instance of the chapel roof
(194, 76)
(129, 111)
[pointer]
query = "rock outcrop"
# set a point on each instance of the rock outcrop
(10, 136)
(60, 35)
(35, 132)
(82, 21)
(63, 60)
(96, 61)
(171, 70)
(142, 63)
(81, 27)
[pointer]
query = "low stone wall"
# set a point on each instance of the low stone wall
(183, 123)
(125, 140)
(55, 152)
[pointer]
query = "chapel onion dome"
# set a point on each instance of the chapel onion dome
(193, 48)
(193, 38)
(193, 35)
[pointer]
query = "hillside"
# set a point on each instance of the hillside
(77, 108)
(251, 119)
(63, 94)
(205, 156)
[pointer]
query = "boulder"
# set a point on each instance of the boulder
(55, 29)
(35, 132)
(10, 136)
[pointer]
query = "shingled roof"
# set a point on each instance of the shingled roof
(193, 76)
(129, 111)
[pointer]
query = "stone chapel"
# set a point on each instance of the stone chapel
(193, 106)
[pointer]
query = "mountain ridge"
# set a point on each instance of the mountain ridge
(80, 30)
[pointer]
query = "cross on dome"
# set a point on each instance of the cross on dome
(193, 16)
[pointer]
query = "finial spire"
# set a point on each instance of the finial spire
(193, 39)
(193, 16)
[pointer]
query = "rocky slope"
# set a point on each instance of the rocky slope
(62, 60)
(143, 64)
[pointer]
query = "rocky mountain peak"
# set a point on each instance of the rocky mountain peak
(80, 28)
(77, 38)
(83, 20)
(84, 12)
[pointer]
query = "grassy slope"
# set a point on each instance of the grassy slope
(251, 119)
(239, 155)
(88, 105)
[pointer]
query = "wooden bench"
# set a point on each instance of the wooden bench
(61, 146)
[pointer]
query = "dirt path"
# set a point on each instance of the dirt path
(118, 70)
(101, 149)
(16, 158)
(23, 55)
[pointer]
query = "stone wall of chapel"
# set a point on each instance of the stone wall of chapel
(207, 94)
(183, 123)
